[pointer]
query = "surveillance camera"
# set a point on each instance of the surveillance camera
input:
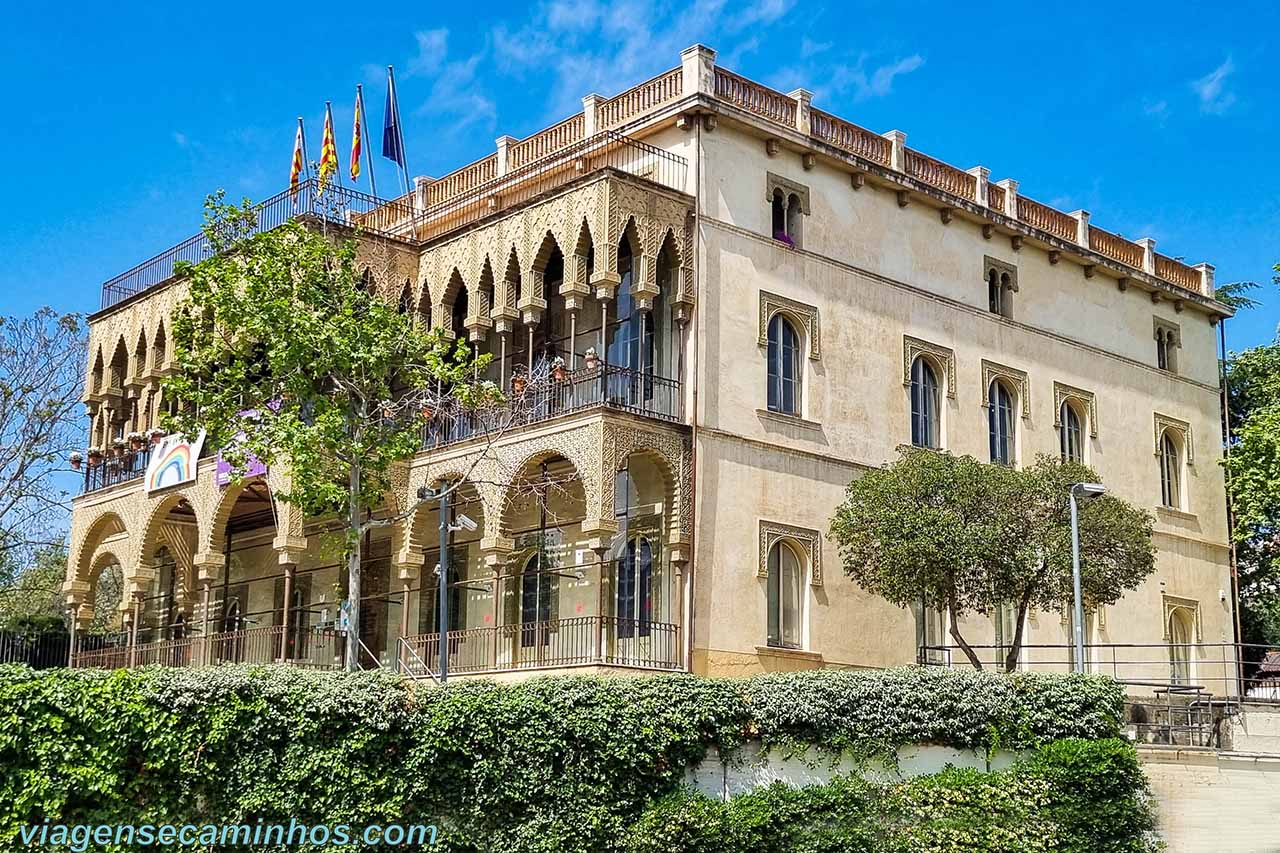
(466, 522)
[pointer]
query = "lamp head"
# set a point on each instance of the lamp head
(1088, 490)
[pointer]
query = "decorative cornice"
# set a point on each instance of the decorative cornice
(805, 315)
(944, 358)
(808, 540)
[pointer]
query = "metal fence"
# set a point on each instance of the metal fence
(605, 386)
(115, 468)
(577, 641)
(332, 203)
(399, 218)
(38, 650)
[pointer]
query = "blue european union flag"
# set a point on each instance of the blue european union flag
(392, 137)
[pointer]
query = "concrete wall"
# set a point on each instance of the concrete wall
(1215, 802)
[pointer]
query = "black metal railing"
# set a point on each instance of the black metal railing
(335, 203)
(399, 218)
(604, 386)
(114, 468)
(36, 649)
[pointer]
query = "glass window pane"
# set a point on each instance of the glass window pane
(773, 595)
(791, 598)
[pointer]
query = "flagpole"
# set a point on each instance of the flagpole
(365, 142)
(395, 105)
(306, 163)
(328, 117)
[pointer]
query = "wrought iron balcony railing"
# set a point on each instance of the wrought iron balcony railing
(603, 386)
(115, 468)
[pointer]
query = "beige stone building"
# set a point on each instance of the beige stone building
(754, 300)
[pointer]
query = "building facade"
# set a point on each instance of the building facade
(733, 303)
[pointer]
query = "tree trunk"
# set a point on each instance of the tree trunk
(1011, 659)
(353, 570)
(960, 641)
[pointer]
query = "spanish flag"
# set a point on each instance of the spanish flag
(299, 161)
(328, 149)
(357, 138)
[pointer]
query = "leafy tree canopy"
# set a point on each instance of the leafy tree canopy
(967, 537)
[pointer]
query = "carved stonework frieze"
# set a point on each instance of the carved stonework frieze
(1014, 377)
(808, 541)
(1063, 392)
(943, 358)
(806, 316)
(1187, 606)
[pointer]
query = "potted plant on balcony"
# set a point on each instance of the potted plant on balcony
(592, 358)
(76, 459)
(117, 447)
(155, 435)
(428, 410)
(136, 441)
(95, 455)
(558, 371)
(519, 382)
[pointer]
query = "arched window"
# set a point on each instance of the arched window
(1166, 348)
(785, 606)
(925, 405)
(1070, 439)
(795, 215)
(635, 589)
(1180, 639)
(779, 209)
(784, 366)
(995, 293)
(1170, 472)
(538, 592)
(1000, 423)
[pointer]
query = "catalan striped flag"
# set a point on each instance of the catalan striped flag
(328, 149)
(299, 160)
(357, 136)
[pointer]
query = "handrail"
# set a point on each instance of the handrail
(403, 668)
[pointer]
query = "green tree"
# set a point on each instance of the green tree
(285, 355)
(42, 360)
(969, 537)
(33, 600)
(1253, 479)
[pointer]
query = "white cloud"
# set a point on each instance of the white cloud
(881, 81)
(1211, 89)
(433, 46)
(180, 138)
(760, 12)
(1158, 110)
(831, 80)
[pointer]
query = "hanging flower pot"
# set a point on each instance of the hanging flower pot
(558, 371)
(156, 434)
(136, 440)
(428, 411)
(592, 359)
(117, 447)
(76, 460)
(95, 456)
(518, 384)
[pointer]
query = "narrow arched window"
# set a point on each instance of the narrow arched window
(924, 405)
(795, 214)
(784, 366)
(1071, 438)
(1000, 423)
(635, 589)
(995, 293)
(779, 209)
(1180, 640)
(1170, 472)
(785, 606)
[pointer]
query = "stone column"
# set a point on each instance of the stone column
(1207, 286)
(1010, 187)
(1082, 227)
(898, 150)
(495, 551)
(981, 180)
(804, 103)
(1148, 245)
(590, 107)
(209, 568)
(504, 150)
(698, 70)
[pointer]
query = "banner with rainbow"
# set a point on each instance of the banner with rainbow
(173, 462)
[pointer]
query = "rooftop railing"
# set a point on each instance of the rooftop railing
(464, 197)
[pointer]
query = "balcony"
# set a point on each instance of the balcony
(114, 469)
(600, 387)
(551, 644)
(459, 200)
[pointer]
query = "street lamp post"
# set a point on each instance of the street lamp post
(1084, 490)
(441, 494)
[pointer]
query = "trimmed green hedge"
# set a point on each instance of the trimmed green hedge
(1072, 795)
(553, 764)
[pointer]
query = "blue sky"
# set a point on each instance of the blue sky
(1159, 119)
